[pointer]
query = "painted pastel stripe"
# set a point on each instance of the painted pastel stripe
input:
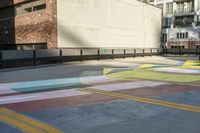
(8, 91)
(50, 84)
(75, 92)
(129, 85)
(146, 66)
(178, 70)
(40, 96)
(45, 84)
(6, 88)
(95, 79)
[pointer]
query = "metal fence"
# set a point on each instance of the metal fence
(13, 58)
(181, 52)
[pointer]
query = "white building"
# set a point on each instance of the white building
(181, 22)
(108, 24)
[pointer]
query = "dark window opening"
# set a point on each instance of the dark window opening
(186, 35)
(28, 9)
(39, 7)
(177, 36)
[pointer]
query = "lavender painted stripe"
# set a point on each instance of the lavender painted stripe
(129, 85)
(8, 91)
(40, 96)
(178, 70)
(95, 79)
(6, 88)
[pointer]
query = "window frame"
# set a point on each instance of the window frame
(20, 8)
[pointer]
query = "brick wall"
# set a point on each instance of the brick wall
(35, 27)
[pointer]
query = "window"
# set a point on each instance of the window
(186, 35)
(189, 7)
(169, 8)
(180, 7)
(167, 22)
(177, 35)
(182, 35)
(164, 37)
(30, 6)
(39, 7)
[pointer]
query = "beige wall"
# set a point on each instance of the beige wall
(108, 23)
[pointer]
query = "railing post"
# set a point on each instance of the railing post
(158, 52)
(199, 53)
(163, 52)
(180, 51)
(196, 51)
(124, 53)
(112, 54)
(34, 57)
(60, 56)
(134, 54)
(81, 52)
(98, 54)
(1, 60)
(143, 52)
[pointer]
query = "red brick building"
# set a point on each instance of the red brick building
(28, 23)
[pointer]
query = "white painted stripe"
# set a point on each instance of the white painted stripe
(129, 85)
(95, 79)
(178, 70)
(40, 96)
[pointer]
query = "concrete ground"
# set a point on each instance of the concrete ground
(133, 95)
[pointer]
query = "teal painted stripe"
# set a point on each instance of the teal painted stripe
(43, 85)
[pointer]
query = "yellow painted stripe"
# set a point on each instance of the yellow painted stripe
(174, 105)
(146, 66)
(40, 125)
(107, 70)
(22, 126)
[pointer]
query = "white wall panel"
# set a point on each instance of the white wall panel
(108, 23)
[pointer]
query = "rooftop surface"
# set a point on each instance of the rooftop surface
(133, 95)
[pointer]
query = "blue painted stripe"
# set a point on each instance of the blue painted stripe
(45, 84)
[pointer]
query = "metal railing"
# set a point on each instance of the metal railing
(181, 51)
(14, 58)
(185, 11)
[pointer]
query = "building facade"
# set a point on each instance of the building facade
(28, 24)
(41, 24)
(181, 23)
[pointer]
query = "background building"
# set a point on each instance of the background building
(28, 24)
(181, 22)
(44, 24)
